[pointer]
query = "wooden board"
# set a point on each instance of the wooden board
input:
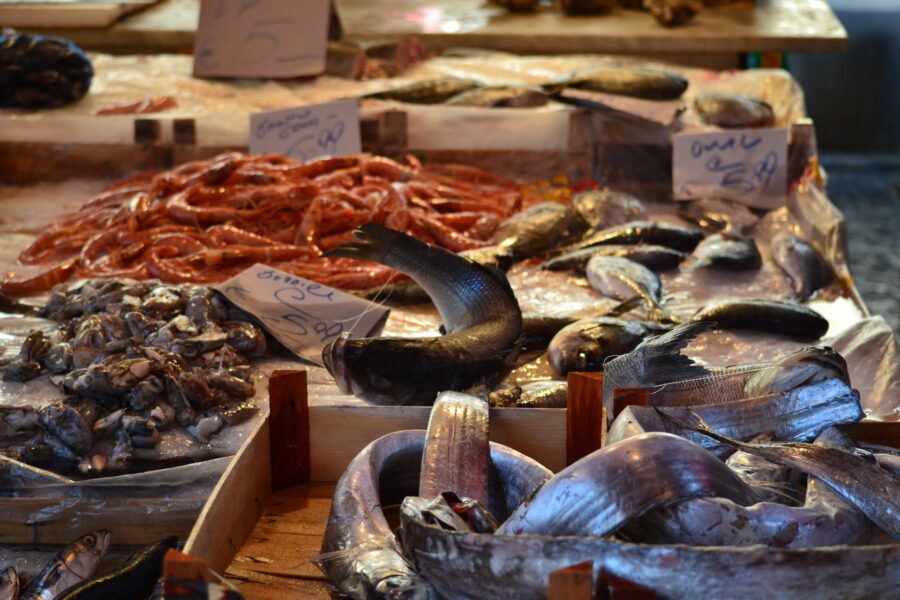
(768, 26)
(78, 14)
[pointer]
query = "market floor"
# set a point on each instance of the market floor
(866, 188)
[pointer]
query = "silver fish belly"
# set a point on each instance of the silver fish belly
(76, 562)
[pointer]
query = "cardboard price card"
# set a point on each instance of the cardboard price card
(747, 165)
(261, 38)
(303, 315)
(307, 132)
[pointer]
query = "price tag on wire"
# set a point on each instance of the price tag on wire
(746, 165)
(261, 38)
(303, 315)
(306, 132)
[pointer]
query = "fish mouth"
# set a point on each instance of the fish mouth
(333, 359)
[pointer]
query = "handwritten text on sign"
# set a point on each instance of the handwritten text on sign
(303, 315)
(748, 165)
(261, 38)
(306, 132)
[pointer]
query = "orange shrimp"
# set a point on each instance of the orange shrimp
(41, 282)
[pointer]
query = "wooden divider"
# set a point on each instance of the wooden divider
(585, 416)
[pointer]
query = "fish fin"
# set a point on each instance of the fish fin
(661, 354)
(376, 241)
(625, 307)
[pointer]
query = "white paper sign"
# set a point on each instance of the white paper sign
(747, 165)
(261, 38)
(661, 112)
(303, 315)
(307, 132)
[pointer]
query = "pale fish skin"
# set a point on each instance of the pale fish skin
(75, 563)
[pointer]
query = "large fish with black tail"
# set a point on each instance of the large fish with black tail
(479, 311)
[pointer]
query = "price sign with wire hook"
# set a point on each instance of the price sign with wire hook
(307, 132)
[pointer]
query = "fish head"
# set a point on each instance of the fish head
(87, 552)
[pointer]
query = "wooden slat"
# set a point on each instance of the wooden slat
(571, 583)
(288, 428)
(884, 433)
(585, 415)
(625, 397)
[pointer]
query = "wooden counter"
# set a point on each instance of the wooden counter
(769, 26)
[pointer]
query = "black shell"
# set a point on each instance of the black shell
(37, 71)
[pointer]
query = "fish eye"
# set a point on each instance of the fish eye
(90, 540)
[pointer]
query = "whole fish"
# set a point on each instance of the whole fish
(717, 214)
(645, 232)
(733, 110)
(361, 556)
(786, 318)
(539, 330)
(538, 229)
(75, 563)
(586, 344)
(802, 263)
(853, 474)
(136, 577)
(479, 312)
(599, 493)
(650, 84)
(457, 452)
(472, 566)
(655, 258)
(621, 278)
(606, 207)
(430, 91)
(9, 584)
(802, 367)
(727, 251)
(535, 394)
(799, 414)
(500, 96)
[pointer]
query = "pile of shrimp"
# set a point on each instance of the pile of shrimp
(205, 221)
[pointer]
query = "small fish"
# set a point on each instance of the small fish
(645, 232)
(621, 278)
(538, 229)
(9, 584)
(136, 577)
(586, 344)
(603, 491)
(431, 91)
(650, 84)
(75, 563)
(607, 208)
(802, 263)
(802, 367)
(538, 329)
(786, 318)
(727, 251)
(717, 214)
(655, 258)
(477, 306)
(535, 394)
(733, 110)
(501, 96)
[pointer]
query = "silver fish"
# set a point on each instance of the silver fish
(651, 84)
(76, 562)
(586, 344)
(607, 208)
(457, 452)
(538, 229)
(805, 366)
(599, 493)
(621, 278)
(479, 311)
(718, 214)
(500, 96)
(733, 110)
(727, 251)
(645, 232)
(9, 584)
(431, 91)
(804, 266)
(655, 258)
(786, 318)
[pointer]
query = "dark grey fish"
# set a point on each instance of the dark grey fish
(802, 263)
(606, 207)
(586, 344)
(727, 251)
(431, 91)
(618, 277)
(786, 318)
(655, 258)
(606, 489)
(716, 214)
(802, 367)
(733, 110)
(538, 330)
(500, 96)
(479, 312)
(76, 562)
(538, 229)
(535, 394)
(650, 84)
(645, 232)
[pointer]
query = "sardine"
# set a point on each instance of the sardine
(75, 563)
(606, 489)
(853, 474)
(717, 214)
(479, 312)
(361, 556)
(457, 452)
(621, 278)
(645, 232)
(586, 344)
(500, 96)
(431, 91)
(535, 394)
(650, 84)
(799, 414)
(655, 258)
(136, 577)
(9, 584)
(786, 318)
(538, 229)
(727, 251)
(733, 110)
(802, 367)
(607, 208)
(802, 263)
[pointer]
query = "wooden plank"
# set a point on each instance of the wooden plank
(883, 433)
(68, 14)
(288, 428)
(180, 565)
(571, 583)
(625, 397)
(235, 503)
(585, 417)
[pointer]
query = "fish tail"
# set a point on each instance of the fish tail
(657, 313)
(376, 242)
(626, 306)
(661, 354)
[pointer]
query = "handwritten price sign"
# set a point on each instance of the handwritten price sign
(747, 165)
(303, 315)
(306, 132)
(261, 38)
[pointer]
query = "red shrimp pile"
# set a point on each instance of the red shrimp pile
(205, 221)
